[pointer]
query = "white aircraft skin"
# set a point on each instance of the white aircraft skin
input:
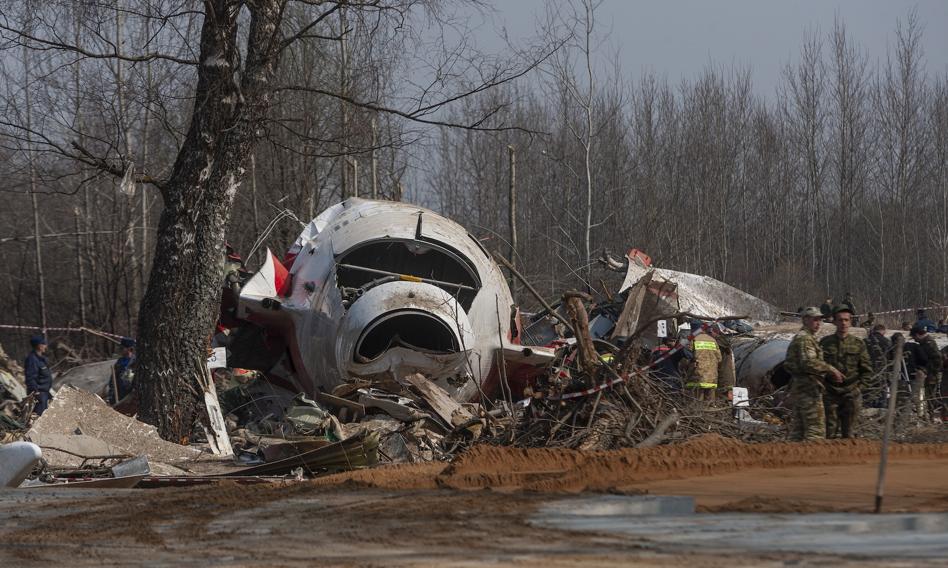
(386, 289)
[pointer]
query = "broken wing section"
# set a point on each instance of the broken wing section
(706, 297)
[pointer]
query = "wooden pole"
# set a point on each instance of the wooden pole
(512, 211)
(375, 162)
(588, 358)
(80, 273)
(889, 420)
(115, 391)
(355, 177)
(253, 193)
(343, 109)
(38, 244)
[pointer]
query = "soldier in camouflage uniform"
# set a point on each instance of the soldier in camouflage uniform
(806, 366)
(933, 366)
(843, 401)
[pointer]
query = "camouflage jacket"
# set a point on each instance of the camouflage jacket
(878, 346)
(851, 356)
(933, 356)
(805, 357)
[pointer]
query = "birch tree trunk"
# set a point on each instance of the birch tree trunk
(180, 305)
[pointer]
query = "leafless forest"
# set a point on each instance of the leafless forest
(836, 182)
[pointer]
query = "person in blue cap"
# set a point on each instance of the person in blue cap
(39, 379)
(121, 377)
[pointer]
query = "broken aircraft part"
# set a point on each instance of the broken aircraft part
(17, 460)
(703, 296)
(759, 364)
(380, 289)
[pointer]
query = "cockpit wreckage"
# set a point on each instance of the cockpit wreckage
(380, 290)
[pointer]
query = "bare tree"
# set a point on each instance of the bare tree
(228, 54)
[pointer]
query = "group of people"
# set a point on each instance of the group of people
(700, 367)
(39, 377)
(830, 375)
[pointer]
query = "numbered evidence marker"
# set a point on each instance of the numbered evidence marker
(218, 358)
(662, 328)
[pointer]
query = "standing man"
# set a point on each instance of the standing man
(848, 302)
(932, 368)
(704, 376)
(806, 367)
(727, 370)
(878, 345)
(826, 308)
(666, 368)
(121, 373)
(39, 379)
(843, 401)
(922, 319)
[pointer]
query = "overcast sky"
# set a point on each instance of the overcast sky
(677, 38)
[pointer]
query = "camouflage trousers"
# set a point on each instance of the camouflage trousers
(842, 412)
(809, 418)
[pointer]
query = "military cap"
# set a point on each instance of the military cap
(842, 308)
(37, 340)
(127, 342)
(811, 312)
(917, 329)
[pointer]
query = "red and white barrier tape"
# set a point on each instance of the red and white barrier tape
(612, 382)
(902, 311)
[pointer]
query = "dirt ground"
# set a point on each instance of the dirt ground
(721, 473)
(473, 511)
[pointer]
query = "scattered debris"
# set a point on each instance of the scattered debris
(357, 452)
(79, 425)
(99, 472)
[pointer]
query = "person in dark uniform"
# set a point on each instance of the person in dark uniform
(667, 368)
(911, 385)
(39, 379)
(122, 374)
(932, 369)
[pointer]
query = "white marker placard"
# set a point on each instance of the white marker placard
(662, 328)
(218, 358)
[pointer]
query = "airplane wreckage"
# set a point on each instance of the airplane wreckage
(387, 331)
(380, 290)
(376, 289)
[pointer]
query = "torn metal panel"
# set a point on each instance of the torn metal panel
(356, 452)
(651, 297)
(706, 297)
